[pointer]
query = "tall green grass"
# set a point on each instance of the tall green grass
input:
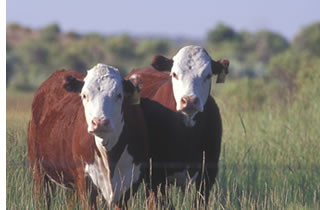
(269, 159)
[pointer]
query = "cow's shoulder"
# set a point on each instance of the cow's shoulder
(149, 80)
(154, 85)
(51, 98)
(135, 133)
(56, 81)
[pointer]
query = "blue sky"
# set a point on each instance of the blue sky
(166, 17)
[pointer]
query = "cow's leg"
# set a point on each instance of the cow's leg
(81, 186)
(151, 201)
(71, 197)
(92, 190)
(36, 191)
(158, 196)
(42, 185)
(49, 190)
(93, 199)
(34, 167)
(123, 201)
(153, 193)
(204, 184)
(84, 186)
(82, 194)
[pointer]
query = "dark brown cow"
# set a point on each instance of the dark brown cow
(99, 136)
(184, 123)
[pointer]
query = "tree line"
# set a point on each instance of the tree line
(34, 54)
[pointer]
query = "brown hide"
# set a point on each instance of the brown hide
(58, 136)
(155, 85)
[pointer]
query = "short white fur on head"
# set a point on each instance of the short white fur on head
(191, 77)
(99, 73)
(102, 97)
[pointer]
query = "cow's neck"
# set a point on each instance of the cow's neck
(99, 171)
(107, 144)
(189, 120)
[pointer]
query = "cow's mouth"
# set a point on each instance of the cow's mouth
(188, 118)
(101, 132)
(190, 111)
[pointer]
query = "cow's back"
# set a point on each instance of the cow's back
(57, 123)
(155, 85)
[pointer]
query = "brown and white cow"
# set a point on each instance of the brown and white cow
(184, 123)
(97, 135)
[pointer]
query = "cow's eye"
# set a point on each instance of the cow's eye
(208, 77)
(175, 76)
(84, 96)
(118, 96)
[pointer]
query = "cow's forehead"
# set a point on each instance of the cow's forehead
(103, 78)
(194, 58)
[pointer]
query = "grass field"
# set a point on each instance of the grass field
(270, 158)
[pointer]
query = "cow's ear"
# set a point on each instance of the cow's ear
(131, 92)
(220, 68)
(71, 84)
(162, 63)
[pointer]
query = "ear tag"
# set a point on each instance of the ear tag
(221, 77)
(134, 99)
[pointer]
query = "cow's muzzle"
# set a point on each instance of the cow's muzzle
(100, 125)
(189, 104)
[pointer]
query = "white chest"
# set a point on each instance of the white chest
(125, 174)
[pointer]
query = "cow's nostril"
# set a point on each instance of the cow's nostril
(189, 100)
(189, 103)
(184, 101)
(94, 124)
(105, 122)
(195, 100)
(100, 123)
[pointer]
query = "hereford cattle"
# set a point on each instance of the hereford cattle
(98, 134)
(184, 123)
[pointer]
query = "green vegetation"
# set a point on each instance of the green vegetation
(33, 55)
(270, 107)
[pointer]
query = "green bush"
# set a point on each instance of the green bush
(308, 39)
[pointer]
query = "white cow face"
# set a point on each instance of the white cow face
(191, 81)
(102, 95)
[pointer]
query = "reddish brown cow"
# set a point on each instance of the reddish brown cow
(99, 136)
(184, 136)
